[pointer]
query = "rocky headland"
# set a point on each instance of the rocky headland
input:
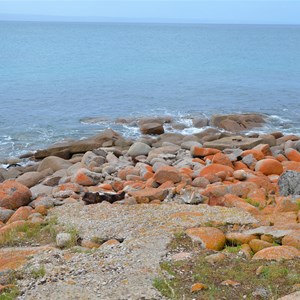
(99, 218)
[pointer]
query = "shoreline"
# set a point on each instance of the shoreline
(122, 203)
(129, 127)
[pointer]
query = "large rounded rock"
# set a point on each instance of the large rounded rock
(5, 214)
(54, 163)
(21, 214)
(105, 137)
(167, 173)
(152, 128)
(209, 237)
(292, 239)
(256, 245)
(215, 168)
(87, 178)
(239, 238)
(292, 154)
(269, 167)
(30, 179)
(237, 122)
(138, 148)
(14, 194)
(277, 253)
(289, 183)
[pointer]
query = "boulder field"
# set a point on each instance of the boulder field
(258, 174)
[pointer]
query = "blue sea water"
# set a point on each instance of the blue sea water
(54, 74)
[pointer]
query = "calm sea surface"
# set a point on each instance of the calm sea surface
(52, 75)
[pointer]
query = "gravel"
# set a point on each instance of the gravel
(124, 270)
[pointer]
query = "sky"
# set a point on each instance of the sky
(199, 11)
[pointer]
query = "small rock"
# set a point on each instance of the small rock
(215, 258)
(198, 287)
(63, 240)
(230, 282)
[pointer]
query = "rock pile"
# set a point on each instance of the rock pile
(257, 174)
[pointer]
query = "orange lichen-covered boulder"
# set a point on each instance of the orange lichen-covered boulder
(22, 213)
(264, 148)
(239, 238)
(86, 178)
(201, 152)
(222, 159)
(269, 166)
(292, 239)
(167, 173)
(258, 155)
(257, 245)
(209, 237)
(148, 194)
(215, 168)
(277, 253)
(292, 154)
(291, 166)
(14, 194)
(234, 201)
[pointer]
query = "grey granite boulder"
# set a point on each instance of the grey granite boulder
(289, 183)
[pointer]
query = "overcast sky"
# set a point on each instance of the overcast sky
(220, 11)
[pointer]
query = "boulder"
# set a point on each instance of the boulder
(200, 122)
(209, 134)
(292, 154)
(209, 237)
(5, 214)
(215, 168)
(21, 214)
(289, 183)
(257, 245)
(54, 163)
(152, 128)
(243, 143)
(87, 178)
(239, 238)
(277, 253)
(159, 119)
(30, 179)
(293, 296)
(14, 194)
(148, 194)
(292, 239)
(237, 122)
(85, 145)
(40, 190)
(166, 173)
(269, 166)
(138, 148)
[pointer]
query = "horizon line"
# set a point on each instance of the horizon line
(99, 19)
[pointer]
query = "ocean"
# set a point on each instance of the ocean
(55, 77)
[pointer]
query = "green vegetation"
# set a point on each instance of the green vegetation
(43, 233)
(232, 249)
(38, 273)
(176, 278)
(10, 294)
(252, 202)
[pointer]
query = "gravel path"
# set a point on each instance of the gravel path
(121, 271)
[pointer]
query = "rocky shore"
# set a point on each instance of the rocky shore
(220, 187)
